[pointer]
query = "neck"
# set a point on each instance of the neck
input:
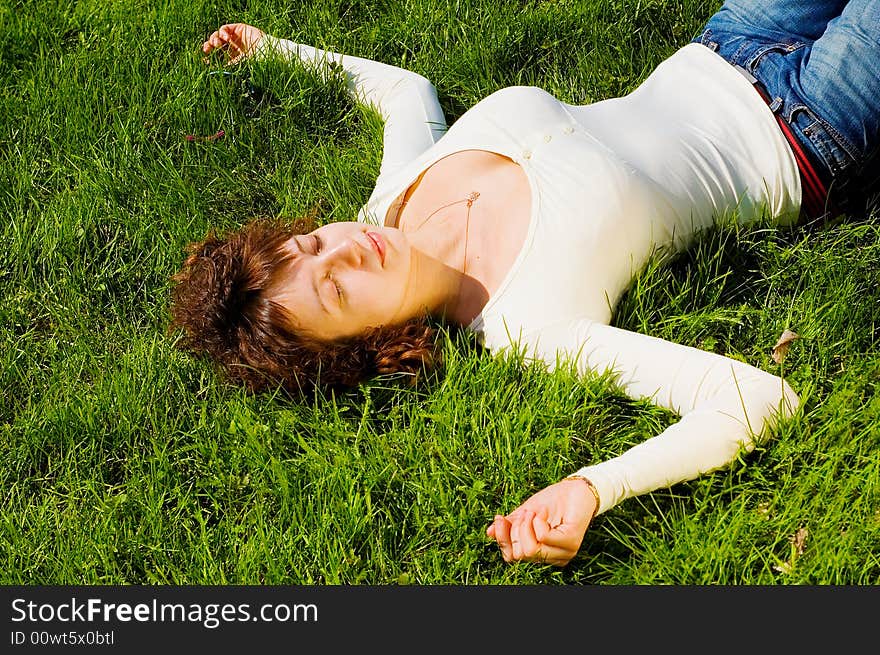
(440, 247)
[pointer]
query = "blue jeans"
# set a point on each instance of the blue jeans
(820, 64)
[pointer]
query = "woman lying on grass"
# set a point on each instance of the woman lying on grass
(528, 218)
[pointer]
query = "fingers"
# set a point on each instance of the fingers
(565, 535)
(521, 537)
(234, 39)
(541, 528)
(548, 527)
(501, 533)
(218, 39)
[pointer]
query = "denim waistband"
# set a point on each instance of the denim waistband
(834, 158)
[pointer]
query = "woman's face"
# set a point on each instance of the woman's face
(346, 277)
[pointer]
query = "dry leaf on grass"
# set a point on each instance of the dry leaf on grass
(798, 542)
(799, 538)
(782, 344)
(783, 567)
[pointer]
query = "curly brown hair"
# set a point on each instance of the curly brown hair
(221, 301)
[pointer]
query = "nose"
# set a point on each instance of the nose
(345, 251)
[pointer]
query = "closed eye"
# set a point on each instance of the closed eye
(338, 289)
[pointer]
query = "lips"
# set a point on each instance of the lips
(378, 244)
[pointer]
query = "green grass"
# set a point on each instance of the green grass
(126, 461)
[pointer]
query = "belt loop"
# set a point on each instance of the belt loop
(751, 78)
(706, 40)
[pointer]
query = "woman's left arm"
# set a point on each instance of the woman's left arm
(725, 407)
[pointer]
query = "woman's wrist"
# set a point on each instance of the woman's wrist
(592, 489)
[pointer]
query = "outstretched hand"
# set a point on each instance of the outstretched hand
(237, 40)
(549, 527)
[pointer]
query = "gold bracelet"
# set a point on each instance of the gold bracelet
(591, 487)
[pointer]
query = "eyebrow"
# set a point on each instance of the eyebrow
(314, 286)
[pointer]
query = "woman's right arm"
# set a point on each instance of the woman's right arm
(406, 101)
(726, 406)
